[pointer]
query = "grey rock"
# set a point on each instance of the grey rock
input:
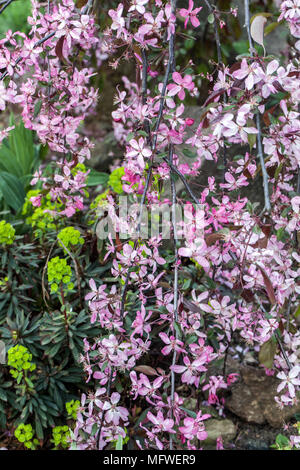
(253, 444)
(252, 399)
(215, 428)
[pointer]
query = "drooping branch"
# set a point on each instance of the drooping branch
(175, 238)
(247, 23)
(6, 5)
(183, 179)
(211, 9)
(153, 147)
(263, 166)
(216, 31)
(259, 135)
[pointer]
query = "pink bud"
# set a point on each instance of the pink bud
(189, 121)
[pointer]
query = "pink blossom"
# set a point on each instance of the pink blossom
(138, 5)
(289, 380)
(114, 413)
(190, 14)
(181, 84)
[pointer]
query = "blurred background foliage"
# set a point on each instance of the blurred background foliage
(14, 17)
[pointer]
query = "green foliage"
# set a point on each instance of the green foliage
(281, 443)
(70, 237)
(72, 407)
(60, 435)
(48, 336)
(25, 434)
(115, 180)
(59, 272)
(19, 157)
(7, 233)
(19, 358)
(96, 178)
(99, 201)
(67, 329)
(40, 218)
(15, 16)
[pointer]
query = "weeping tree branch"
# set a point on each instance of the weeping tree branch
(247, 24)
(153, 146)
(212, 11)
(147, 183)
(175, 238)
(217, 36)
(183, 179)
(282, 350)
(259, 137)
(263, 166)
(5, 5)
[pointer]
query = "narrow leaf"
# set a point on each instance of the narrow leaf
(269, 287)
(267, 352)
(257, 30)
(146, 370)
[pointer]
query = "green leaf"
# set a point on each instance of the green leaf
(267, 352)
(211, 18)
(178, 329)
(97, 177)
(37, 107)
(12, 190)
(129, 136)
(297, 313)
(119, 443)
(189, 412)
(241, 47)
(189, 154)
(282, 441)
(38, 428)
(20, 141)
(270, 27)
(251, 140)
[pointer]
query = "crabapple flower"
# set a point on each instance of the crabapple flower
(268, 327)
(249, 72)
(139, 151)
(289, 380)
(190, 371)
(195, 250)
(160, 423)
(118, 20)
(190, 14)
(114, 413)
(138, 5)
(267, 78)
(232, 184)
(146, 388)
(194, 427)
(172, 343)
(181, 84)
